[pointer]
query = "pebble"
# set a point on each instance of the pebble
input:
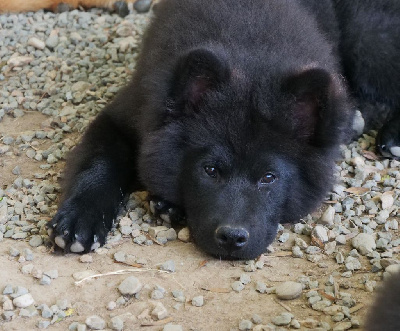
(159, 312)
(319, 232)
(364, 243)
(352, 263)
(111, 305)
(167, 266)
(120, 256)
(142, 6)
(184, 235)
(24, 301)
(328, 216)
(288, 290)
(36, 240)
(284, 237)
(282, 319)
(130, 286)
(198, 301)
(53, 274)
(245, 325)
(245, 278)
(45, 280)
(14, 252)
(86, 258)
(95, 322)
(37, 43)
(237, 286)
(116, 323)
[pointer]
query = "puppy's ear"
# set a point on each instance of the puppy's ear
(196, 73)
(315, 97)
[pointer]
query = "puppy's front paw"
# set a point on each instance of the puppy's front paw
(78, 228)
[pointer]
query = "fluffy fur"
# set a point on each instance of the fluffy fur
(384, 315)
(235, 115)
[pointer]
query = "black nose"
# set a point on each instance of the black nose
(231, 238)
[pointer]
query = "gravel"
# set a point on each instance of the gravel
(288, 290)
(130, 286)
(67, 70)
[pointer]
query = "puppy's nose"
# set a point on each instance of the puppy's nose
(231, 238)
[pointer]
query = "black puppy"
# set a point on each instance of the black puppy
(384, 314)
(235, 115)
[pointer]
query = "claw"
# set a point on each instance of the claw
(77, 247)
(60, 242)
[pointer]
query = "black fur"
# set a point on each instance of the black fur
(235, 115)
(384, 314)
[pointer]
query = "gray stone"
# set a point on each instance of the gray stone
(24, 301)
(237, 286)
(167, 266)
(116, 323)
(245, 278)
(282, 319)
(130, 286)
(36, 241)
(288, 290)
(142, 6)
(95, 322)
(198, 301)
(364, 243)
(159, 312)
(245, 325)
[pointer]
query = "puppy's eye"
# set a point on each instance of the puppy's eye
(211, 171)
(268, 178)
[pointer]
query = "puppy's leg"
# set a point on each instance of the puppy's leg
(101, 170)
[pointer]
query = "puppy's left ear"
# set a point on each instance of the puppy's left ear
(197, 73)
(317, 106)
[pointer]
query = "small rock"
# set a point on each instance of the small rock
(289, 290)
(120, 256)
(245, 278)
(14, 252)
(237, 286)
(142, 6)
(37, 43)
(328, 216)
(116, 323)
(86, 258)
(130, 286)
(245, 325)
(36, 241)
(95, 322)
(19, 61)
(53, 274)
(45, 280)
(184, 235)
(52, 40)
(111, 305)
(167, 266)
(364, 243)
(352, 263)
(387, 200)
(198, 301)
(156, 295)
(282, 319)
(159, 312)
(23, 301)
(320, 233)
(284, 237)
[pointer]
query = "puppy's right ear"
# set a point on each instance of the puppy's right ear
(197, 73)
